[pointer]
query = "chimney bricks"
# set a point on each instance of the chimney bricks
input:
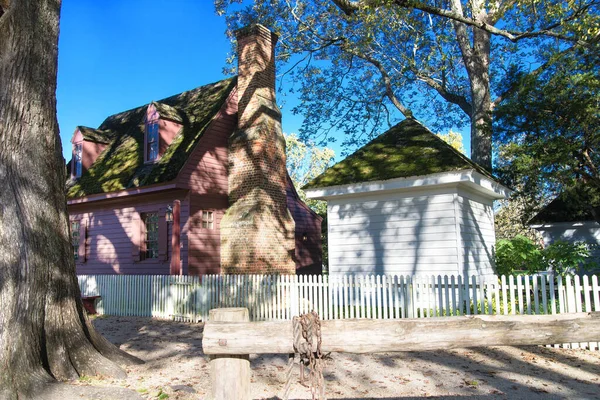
(257, 231)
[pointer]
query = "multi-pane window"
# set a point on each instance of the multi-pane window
(151, 236)
(75, 238)
(152, 140)
(207, 219)
(77, 151)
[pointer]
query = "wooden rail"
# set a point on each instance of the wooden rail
(373, 336)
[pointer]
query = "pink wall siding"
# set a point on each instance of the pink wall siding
(167, 130)
(91, 151)
(308, 225)
(205, 174)
(111, 233)
(111, 223)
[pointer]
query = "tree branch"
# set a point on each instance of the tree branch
(348, 7)
(513, 36)
(387, 81)
(462, 35)
(498, 12)
(454, 98)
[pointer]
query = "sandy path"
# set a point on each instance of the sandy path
(176, 367)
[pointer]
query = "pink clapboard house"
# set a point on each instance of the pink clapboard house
(194, 183)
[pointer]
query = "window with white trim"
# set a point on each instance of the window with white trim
(150, 249)
(208, 218)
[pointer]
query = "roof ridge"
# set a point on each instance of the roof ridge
(161, 101)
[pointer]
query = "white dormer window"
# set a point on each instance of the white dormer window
(77, 155)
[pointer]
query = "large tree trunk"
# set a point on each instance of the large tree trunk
(44, 332)
(481, 117)
(475, 52)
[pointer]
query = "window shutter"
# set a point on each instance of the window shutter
(82, 241)
(136, 237)
(162, 235)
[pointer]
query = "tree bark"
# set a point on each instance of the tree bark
(476, 57)
(481, 116)
(44, 332)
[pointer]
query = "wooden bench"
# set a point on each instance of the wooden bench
(89, 303)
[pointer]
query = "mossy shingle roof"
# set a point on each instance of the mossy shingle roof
(121, 164)
(406, 150)
(572, 205)
(96, 135)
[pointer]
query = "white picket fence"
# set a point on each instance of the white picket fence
(270, 297)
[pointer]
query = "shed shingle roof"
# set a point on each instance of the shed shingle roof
(121, 164)
(408, 149)
(572, 205)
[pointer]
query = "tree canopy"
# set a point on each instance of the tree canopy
(548, 136)
(454, 139)
(358, 64)
(306, 161)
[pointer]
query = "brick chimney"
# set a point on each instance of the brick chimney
(257, 231)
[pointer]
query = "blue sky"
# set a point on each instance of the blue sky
(117, 55)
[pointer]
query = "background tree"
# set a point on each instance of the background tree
(44, 332)
(512, 219)
(548, 134)
(362, 63)
(454, 139)
(306, 161)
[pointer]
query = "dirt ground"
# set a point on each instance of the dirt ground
(176, 368)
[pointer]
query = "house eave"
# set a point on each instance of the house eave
(468, 178)
(124, 193)
(573, 224)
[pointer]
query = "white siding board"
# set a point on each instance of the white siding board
(588, 231)
(337, 240)
(445, 247)
(438, 269)
(417, 220)
(477, 232)
(445, 230)
(393, 234)
(383, 230)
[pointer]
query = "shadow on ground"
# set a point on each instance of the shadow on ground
(176, 366)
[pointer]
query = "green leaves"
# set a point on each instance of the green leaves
(304, 162)
(547, 131)
(520, 254)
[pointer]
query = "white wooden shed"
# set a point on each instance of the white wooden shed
(569, 218)
(408, 203)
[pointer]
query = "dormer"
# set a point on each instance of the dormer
(161, 124)
(88, 144)
(77, 159)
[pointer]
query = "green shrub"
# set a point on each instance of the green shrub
(564, 257)
(520, 254)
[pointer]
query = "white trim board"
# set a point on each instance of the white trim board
(471, 179)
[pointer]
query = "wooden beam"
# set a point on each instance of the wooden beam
(373, 336)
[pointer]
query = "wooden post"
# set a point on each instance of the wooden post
(230, 374)
(176, 240)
